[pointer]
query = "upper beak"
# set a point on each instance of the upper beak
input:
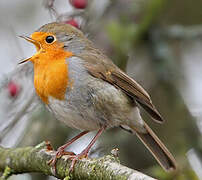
(36, 43)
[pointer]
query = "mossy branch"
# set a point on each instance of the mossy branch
(34, 159)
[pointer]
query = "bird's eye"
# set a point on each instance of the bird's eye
(50, 39)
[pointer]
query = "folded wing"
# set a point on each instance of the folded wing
(101, 67)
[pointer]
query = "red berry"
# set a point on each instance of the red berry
(13, 89)
(79, 4)
(72, 22)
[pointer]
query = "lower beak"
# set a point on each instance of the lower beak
(25, 60)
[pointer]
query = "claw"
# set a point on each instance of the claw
(59, 153)
(49, 146)
(83, 154)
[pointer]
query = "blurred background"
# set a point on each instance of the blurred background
(157, 42)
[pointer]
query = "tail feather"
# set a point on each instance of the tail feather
(157, 148)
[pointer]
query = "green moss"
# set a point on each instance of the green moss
(67, 178)
(7, 173)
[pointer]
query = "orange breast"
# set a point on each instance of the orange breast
(51, 77)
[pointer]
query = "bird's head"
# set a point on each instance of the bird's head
(54, 38)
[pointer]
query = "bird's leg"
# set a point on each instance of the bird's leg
(84, 153)
(61, 150)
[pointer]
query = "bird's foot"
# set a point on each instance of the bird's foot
(59, 153)
(75, 158)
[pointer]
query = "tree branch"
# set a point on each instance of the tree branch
(34, 159)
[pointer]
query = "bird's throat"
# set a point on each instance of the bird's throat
(51, 78)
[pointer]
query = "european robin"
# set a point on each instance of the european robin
(83, 88)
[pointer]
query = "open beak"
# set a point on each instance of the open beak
(36, 43)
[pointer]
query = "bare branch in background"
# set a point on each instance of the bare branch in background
(16, 103)
(182, 32)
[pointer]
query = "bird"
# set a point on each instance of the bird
(85, 90)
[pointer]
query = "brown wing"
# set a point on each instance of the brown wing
(101, 67)
(133, 89)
